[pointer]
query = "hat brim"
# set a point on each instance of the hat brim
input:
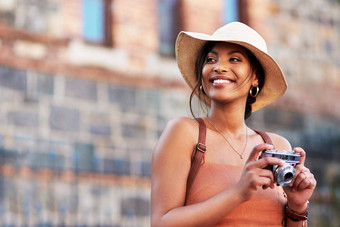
(188, 45)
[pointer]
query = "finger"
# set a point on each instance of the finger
(264, 162)
(302, 154)
(303, 184)
(265, 182)
(272, 186)
(262, 177)
(298, 177)
(254, 154)
(303, 180)
(268, 174)
(301, 177)
(312, 182)
(307, 183)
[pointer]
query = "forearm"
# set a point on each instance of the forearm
(206, 213)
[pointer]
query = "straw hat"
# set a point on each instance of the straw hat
(188, 45)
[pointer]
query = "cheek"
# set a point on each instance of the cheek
(205, 70)
(244, 71)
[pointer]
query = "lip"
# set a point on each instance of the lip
(218, 81)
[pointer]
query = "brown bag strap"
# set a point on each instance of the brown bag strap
(198, 155)
(265, 137)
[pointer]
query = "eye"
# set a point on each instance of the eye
(210, 60)
(234, 59)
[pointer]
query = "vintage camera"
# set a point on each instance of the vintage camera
(283, 175)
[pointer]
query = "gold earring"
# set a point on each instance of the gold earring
(202, 90)
(251, 91)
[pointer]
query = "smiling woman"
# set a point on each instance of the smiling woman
(238, 55)
(227, 72)
(224, 183)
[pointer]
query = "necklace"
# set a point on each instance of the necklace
(225, 138)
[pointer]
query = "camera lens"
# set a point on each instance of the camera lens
(288, 177)
(284, 175)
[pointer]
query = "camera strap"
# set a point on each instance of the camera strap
(198, 154)
(265, 137)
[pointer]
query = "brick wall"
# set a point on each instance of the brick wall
(198, 16)
(69, 17)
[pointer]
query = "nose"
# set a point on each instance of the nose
(220, 68)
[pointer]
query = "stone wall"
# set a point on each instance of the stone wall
(69, 139)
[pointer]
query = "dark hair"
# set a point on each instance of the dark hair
(201, 57)
(257, 68)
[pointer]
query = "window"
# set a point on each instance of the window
(97, 21)
(234, 10)
(32, 16)
(168, 26)
(231, 11)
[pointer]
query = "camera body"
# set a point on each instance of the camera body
(283, 175)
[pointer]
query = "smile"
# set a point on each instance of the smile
(222, 81)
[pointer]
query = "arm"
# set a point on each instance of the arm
(170, 168)
(302, 186)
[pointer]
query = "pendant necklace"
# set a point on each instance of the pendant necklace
(225, 138)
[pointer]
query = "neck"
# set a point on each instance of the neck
(228, 119)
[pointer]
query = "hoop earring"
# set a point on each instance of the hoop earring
(201, 88)
(251, 91)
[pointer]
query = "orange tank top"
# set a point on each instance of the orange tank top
(266, 208)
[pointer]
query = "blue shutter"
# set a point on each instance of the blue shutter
(231, 11)
(94, 22)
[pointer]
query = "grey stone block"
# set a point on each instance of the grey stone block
(81, 89)
(100, 130)
(135, 207)
(45, 84)
(66, 119)
(23, 119)
(13, 79)
(124, 96)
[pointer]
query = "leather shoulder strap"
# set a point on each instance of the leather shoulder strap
(198, 155)
(265, 137)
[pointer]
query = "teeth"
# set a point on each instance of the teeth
(220, 81)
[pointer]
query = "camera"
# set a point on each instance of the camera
(283, 175)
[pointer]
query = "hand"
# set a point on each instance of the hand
(301, 188)
(254, 175)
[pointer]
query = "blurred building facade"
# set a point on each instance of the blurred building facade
(87, 86)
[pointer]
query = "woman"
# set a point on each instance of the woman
(232, 74)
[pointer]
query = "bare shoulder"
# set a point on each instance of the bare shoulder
(280, 142)
(182, 124)
(178, 138)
